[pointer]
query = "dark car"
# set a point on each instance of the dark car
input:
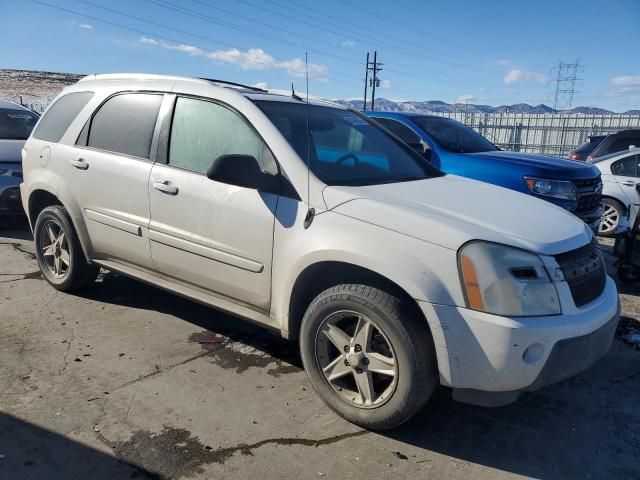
(16, 123)
(616, 142)
(583, 151)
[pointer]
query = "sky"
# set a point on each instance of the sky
(491, 52)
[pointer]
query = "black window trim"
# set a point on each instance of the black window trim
(164, 140)
(634, 155)
(154, 138)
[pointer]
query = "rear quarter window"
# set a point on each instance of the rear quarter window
(59, 116)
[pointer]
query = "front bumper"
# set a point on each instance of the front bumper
(490, 360)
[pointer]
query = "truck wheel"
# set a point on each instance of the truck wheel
(613, 212)
(368, 356)
(59, 253)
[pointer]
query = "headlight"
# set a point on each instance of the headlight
(506, 281)
(551, 188)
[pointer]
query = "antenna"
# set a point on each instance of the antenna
(311, 212)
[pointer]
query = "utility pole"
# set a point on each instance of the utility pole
(566, 78)
(366, 79)
(375, 81)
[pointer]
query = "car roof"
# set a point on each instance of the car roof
(401, 114)
(174, 82)
(12, 105)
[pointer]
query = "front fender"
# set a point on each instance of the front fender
(425, 271)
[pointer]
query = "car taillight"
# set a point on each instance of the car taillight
(575, 156)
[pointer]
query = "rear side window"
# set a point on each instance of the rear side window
(16, 124)
(60, 115)
(125, 124)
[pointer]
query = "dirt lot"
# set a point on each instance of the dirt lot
(128, 381)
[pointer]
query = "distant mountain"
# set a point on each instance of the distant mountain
(438, 106)
(36, 89)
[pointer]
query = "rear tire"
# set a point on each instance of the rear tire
(59, 253)
(384, 370)
(613, 212)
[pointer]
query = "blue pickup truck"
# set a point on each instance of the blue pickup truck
(455, 148)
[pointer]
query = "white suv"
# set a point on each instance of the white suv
(392, 276)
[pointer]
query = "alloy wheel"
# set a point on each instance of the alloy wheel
(610, 219)
(55, 249)
(356, 359)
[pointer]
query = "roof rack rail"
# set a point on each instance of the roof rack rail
(234, 84)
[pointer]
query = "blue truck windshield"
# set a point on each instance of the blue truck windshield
(454, 136)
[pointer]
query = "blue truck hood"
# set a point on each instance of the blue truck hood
(542, 165)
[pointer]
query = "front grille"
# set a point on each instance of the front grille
(589, 193)
(584, 271)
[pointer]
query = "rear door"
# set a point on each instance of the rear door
(109, 172)
(212, 235)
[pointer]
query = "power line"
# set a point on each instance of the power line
(176, 41)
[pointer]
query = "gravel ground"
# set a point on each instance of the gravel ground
(128, 381)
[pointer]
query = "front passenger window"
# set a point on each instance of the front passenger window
(626, 167)
(202, 131)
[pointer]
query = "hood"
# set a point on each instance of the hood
(450, 211)
(542, 165)
(10, 150)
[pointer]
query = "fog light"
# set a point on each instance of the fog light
(533, 353)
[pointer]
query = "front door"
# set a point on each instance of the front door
(212, 235)
(627, 173)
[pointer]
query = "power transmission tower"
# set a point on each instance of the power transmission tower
(374, 81)
(566, 78)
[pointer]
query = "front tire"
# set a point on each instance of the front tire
(613, 212)
(368, 356)
(59, 253)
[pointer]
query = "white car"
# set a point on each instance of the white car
(309, 219)
(620, 174)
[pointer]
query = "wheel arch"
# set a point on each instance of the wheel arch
(41, 198)
(319, 276)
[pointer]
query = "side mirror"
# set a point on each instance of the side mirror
(242, 171)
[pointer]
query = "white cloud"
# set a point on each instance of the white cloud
(262, 85)
(252, 59)
(503, 62)
(86, 26)
(148, 41)
(623, 85)
(626, 81)
(516, 75)
(465, 99)
(349, 44)
(386, 83)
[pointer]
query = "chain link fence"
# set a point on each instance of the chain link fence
(548, 134)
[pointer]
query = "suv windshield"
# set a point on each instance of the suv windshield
(16, 124)
(454, 136)
(345, 148)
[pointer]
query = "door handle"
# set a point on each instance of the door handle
(166, 187)
(629, 183)
(80, 164)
